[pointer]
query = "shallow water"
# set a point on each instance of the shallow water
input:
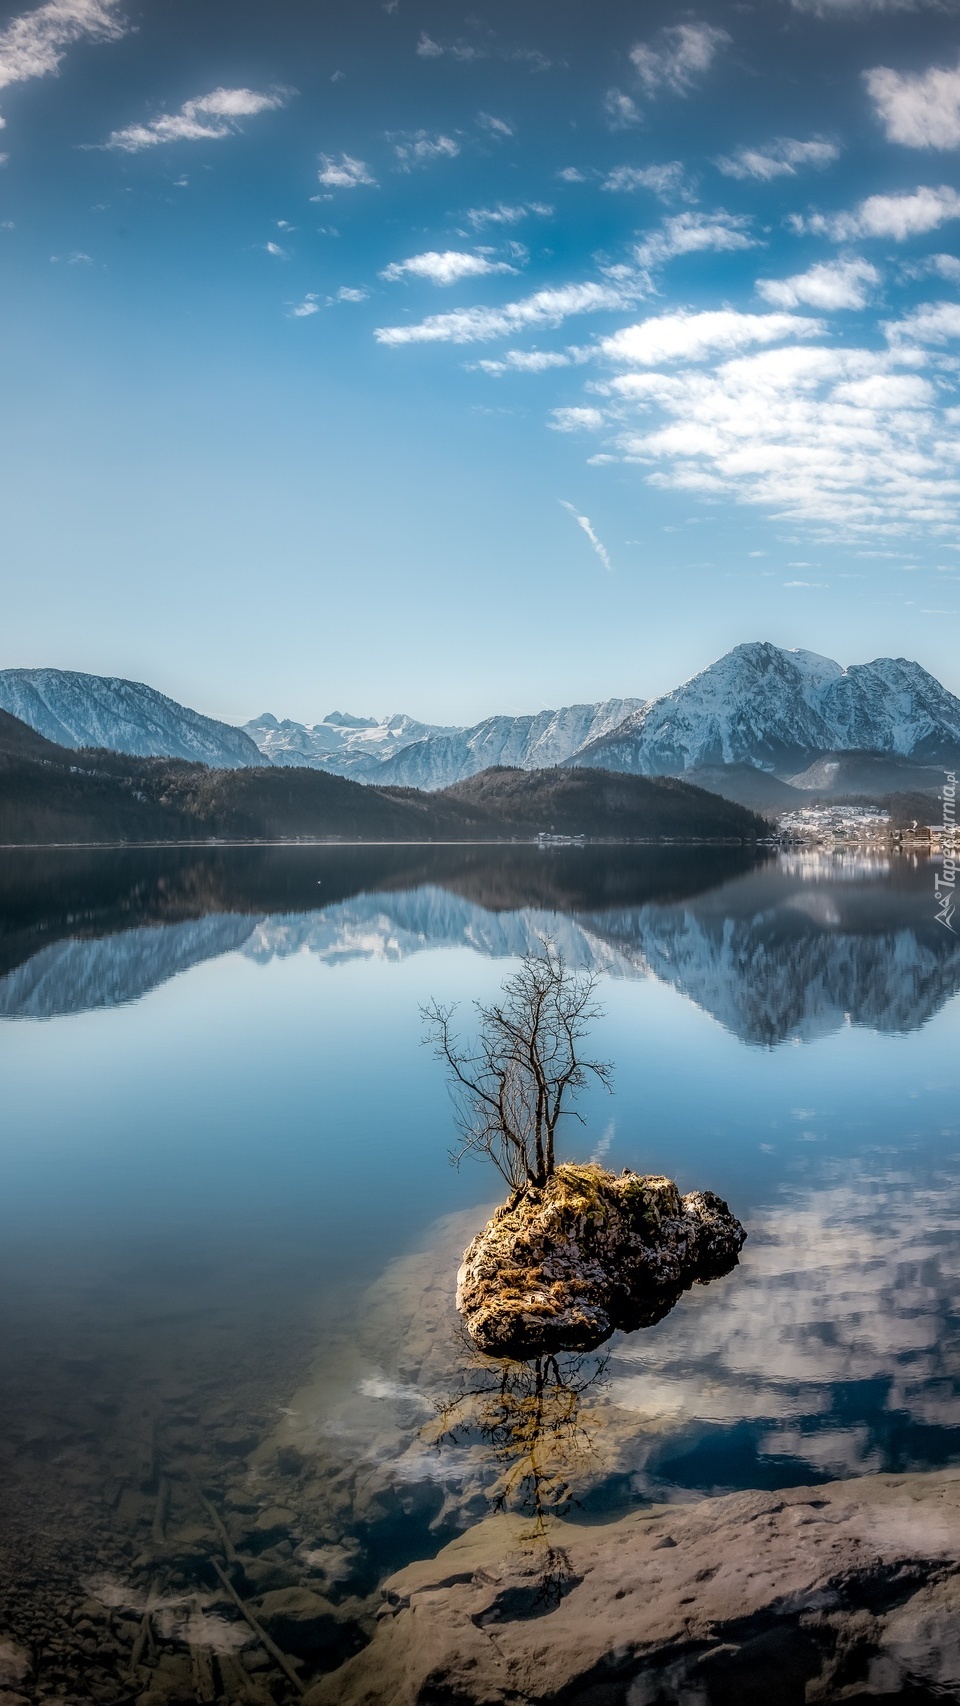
(228, 1229)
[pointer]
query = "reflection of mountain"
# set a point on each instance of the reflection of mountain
(108, 971)
(46, 896)
(792, 948)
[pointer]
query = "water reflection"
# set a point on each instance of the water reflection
(791, 948)
(834, 1349)
(531, 1418)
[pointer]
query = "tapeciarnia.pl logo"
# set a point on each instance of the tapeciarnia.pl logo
(945, 882)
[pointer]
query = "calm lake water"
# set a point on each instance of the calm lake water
(229, 1230)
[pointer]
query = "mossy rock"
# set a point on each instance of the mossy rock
(563, 1266)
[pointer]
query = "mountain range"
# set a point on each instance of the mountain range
(404, 753)
(771, 712)
(56, 794)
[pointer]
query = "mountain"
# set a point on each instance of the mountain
(523, 743)
(50, 793)
(78, 710)
(342, 744)
(400, 752)
(777, 709)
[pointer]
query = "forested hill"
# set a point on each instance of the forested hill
(54, 794)
(566, 802)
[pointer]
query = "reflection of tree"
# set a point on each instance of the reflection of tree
(530, 1415)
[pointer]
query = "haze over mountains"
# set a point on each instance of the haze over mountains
(774, 710)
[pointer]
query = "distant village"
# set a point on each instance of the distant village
(858, 826)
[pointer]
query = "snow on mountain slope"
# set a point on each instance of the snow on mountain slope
(348, 746)
(528, 743)
(768, 707)
(124, 716)
(400, 752)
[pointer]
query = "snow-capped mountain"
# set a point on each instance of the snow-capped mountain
(768, 707)
(759, 705)
(349, 746)
(400, 752)
(77, 710)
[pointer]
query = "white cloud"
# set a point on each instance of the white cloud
(420, 148)
(496, 126)
(830, 285)
(683, 336)
(504, 214)
(944, 266)
(921, 111)
(446, 268)
(692, 233)
(831, 437)
(32, 45)
(525, 361)
(779, 159)
(887, 391)
(684, 51)
(585, 522)
(931, 323)
(344, 173)
(428, 48)
(275, 249)
(576, 420)
(909, 214)
(621, 110)
(572, 175)
(544, 308)
(312, 302)
(668, 181)
(207, 118)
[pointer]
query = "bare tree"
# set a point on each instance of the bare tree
(513, 1085)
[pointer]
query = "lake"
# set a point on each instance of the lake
(229, 1230)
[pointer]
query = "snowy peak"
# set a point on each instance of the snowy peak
(77, 710)
(401, 752)
(765, 706)
(356, 747)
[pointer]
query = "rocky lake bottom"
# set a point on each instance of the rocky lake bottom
(238, 1399)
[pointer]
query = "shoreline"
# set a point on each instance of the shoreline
(534, 841)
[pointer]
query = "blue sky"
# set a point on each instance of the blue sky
(461, 359)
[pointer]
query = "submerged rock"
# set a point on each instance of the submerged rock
(836, 1593)
(562, 1266)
